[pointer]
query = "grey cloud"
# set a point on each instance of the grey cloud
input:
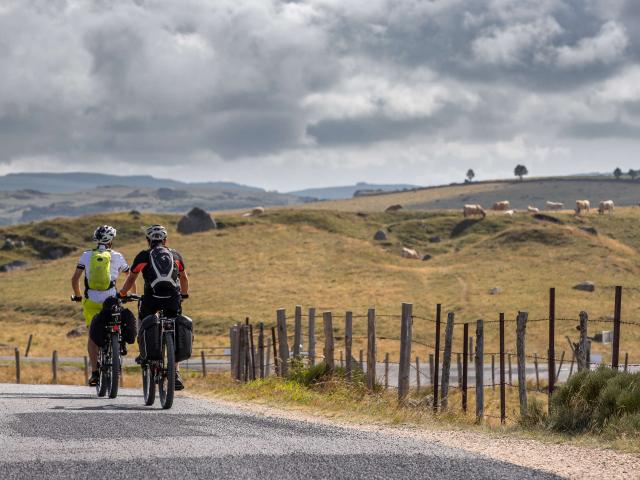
(163, 81)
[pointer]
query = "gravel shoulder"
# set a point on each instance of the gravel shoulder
(569, 461)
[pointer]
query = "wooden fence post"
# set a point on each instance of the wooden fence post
(274, 344)
(503, 402)
(535, 364)
(17, 353)
(436, 370)
(261, 349)
(26, 352)
(267, 362)
(446, 360)
(573, 361)
(386, 371)
(557, 378)
(203, 360)
(312, 336)
(242, 353)
(522, 361)
(510, 370)
(551, 353)
(405, 351)
(581, 350)
(418, 375)
(54, 366)
(471, 350)
(361, 360)
(617, 313)
(233, 347)
(297, 332)
(348, 340)
(341, 359)
(465, 364)
(328, 340)
(371, 348)
(626, 361)
(86, 370)
(283, 342)
(252, 352)
(479, 361)
(459, 368)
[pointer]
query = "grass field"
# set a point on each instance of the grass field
(329, 260)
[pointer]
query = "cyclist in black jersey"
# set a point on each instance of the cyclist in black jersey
(165, 279)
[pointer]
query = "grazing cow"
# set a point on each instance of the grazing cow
(531, 209)
(606, 206)
(582, 205)
(393, 208)
(473, 209)
(501, 206)
(555, 205)
(509, 213)
(410, 253)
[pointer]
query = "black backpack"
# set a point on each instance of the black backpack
(163, 269)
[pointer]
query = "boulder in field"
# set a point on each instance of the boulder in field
(197, 220)
(79, 331)
(49, 232)
(585, 287)
(380, 236)
(426, 257)
(494, 291)
(7, 267)
(589, 230)
(435, 239)
(393, 208)
(8, 244)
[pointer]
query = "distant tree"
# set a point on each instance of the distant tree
(470, 175)
(617, 173)
(633, 173)
(520, 171)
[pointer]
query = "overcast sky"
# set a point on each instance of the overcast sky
(304, 93)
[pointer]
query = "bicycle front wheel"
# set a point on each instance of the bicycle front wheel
(148, 384)
(114, 368)
(168, 373)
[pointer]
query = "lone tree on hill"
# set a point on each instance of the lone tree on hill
(632, 173)
(520, 171)
(470, 175)
(617, 173)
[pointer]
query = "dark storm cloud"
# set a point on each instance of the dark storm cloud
(269, 80)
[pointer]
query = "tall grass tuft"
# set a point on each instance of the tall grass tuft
(601, 401)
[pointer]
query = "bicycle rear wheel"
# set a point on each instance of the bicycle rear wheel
(101, 386)
(148, 384)
(167, 381)
(114, 367)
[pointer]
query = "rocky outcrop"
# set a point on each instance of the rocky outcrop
(197, 220)
(7, 267)
(380, 236)
(585, 287)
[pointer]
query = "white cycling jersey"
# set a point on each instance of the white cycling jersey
(118, 266)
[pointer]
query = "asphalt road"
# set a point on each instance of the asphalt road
(50, 431)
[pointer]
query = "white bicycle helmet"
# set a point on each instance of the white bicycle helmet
(104, 234)
(156, 233)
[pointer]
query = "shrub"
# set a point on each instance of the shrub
(599, 400)
(535, 415)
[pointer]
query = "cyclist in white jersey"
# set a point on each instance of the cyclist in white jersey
(101, 262)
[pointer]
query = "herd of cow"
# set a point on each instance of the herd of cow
(582, 206)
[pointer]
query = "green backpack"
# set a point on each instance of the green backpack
(100, 270)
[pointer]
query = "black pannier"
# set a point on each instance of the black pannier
(184, 338)
(149, 341)
(97, 329)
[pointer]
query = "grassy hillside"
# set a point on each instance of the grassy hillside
(533, 192)
(329, 260)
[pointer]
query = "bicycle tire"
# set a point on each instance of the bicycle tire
(114, 368)
(101, 386)
(167, 374)
(148, 385)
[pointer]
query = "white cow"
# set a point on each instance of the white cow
(410, 253)
(473, 209)
(555, 205)
(255, 212)
(531, 209)
(606, 206)
(509, 213)
(502, 205)
(582, 205)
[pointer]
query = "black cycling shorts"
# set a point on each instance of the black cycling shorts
(150, 305)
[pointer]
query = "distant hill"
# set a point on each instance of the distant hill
(83, 181)
(348, 191)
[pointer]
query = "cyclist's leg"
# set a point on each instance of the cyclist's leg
(90, 309)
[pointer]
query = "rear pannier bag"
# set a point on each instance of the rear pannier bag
(184, 338)
(149, 341)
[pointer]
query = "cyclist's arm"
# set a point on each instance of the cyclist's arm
(75, 282)
(129, 283)
(184, 282)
